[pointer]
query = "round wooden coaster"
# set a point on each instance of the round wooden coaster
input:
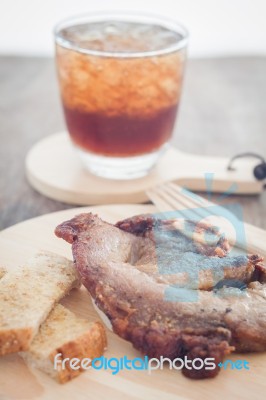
(54, 169)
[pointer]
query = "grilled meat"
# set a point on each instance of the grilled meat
(167, 292)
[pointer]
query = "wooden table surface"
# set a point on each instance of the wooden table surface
(223, 112)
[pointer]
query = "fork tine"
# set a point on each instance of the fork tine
(171, 197)
(178, 199)
(160, 203)
(198, 200)
(166, 202)
(199, 209)
(161, 200)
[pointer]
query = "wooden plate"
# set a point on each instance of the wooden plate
(53, 168)
(18, 382)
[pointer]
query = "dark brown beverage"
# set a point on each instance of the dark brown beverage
(120, 88)
(120, 135)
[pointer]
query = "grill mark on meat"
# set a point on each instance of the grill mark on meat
(109, 259)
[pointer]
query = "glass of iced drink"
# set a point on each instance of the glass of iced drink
(120, 78)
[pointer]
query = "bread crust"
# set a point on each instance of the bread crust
(64, 336)
(89, 345)
(14, 340)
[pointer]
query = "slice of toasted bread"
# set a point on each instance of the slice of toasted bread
(27, 295)
(68, 336)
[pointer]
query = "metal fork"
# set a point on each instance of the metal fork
(171, 197)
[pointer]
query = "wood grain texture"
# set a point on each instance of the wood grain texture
(18, 382)
(223, 112)
(64, 178)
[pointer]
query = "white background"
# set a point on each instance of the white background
(217, 27)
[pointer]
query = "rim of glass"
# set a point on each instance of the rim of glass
(125, 17)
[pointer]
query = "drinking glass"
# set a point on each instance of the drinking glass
(120, 78)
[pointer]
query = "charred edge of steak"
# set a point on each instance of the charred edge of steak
(156, 340)
(208, 344)
(259, 273)
(138, 225)
(213, 346)
(69, 230)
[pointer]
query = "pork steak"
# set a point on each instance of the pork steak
(129, 267)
